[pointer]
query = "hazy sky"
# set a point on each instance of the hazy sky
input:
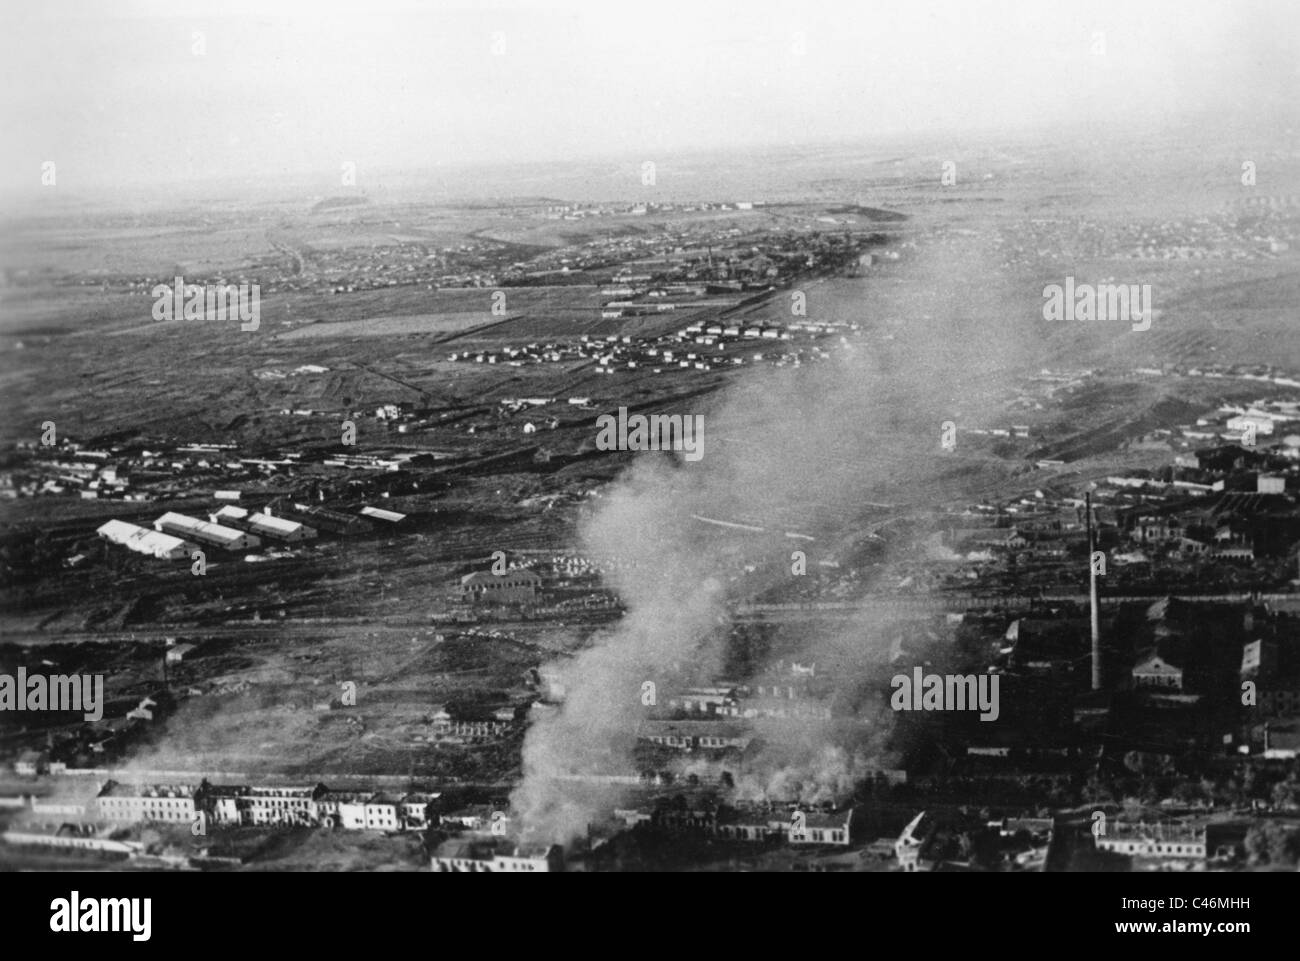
(118, 92)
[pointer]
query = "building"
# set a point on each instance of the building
(1282, 740)
(687, 820)
(735, 825)
(792, 709)
(84, 837)
(473, 727)
(263, 525)
(1164, 841)
(706, 700)
(324, 519)
(343, 809)
(391, 517)
(1161, 667)
(279, 805)
(220, 802)
(144, 710)
(177, 653)
(819, 828)
(133, 803)
(144, 541)
(1259, 422)
(1279, 698)
(478, 818)
(1270, 484)
(512, 587)
(204, 532)
(696, 735)
(30, 764)
(383, 813)
(469, 855)
(415, 809)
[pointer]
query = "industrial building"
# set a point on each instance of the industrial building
(391, 517)
(512, 587)
(262, 524)
(204, 532)
(324, 519)
(144, 541)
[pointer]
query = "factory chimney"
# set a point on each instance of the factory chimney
(1092, 601)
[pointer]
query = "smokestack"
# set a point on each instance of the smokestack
(1092, 599)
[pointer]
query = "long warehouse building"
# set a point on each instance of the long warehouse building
(144, 541)
(265, 525)
(205, 532)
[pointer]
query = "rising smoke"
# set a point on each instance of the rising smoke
(801, 449)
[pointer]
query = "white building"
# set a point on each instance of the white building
(391, 517)
(144, 541)
(262, 524)
(1261, 423)
(131, 803)
(204, 532)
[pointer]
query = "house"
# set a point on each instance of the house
(30, 764)
(1161, 666)
(382, 813)
(415, 809)
(177, 654)
(820, 828)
